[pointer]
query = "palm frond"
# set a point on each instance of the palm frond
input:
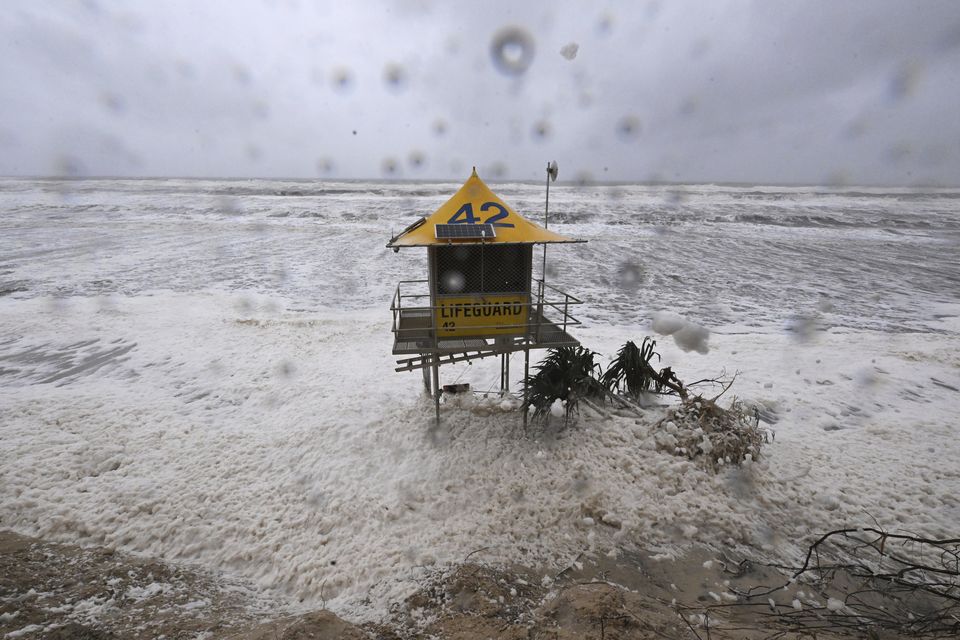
(566, 374)
(631, 372)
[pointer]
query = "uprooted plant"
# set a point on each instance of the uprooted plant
(632, 374)
(699, 427)
(568, 374)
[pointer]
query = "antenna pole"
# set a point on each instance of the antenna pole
(546, 225)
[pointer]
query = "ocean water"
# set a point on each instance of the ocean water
(724, 256)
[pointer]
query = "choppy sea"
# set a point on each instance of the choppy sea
(725, 256)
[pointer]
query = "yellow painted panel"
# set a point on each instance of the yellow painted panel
(461, 316)
(475, 203)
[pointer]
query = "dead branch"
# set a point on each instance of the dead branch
(871, 582)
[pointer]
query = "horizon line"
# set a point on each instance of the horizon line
(572, 183)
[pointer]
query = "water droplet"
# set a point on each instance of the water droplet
(497, 170)
(260, 109)
(453, 281)
(112, 102)
(395, 77)
(569, 51)
(628, 128)
(512, 51)
(244, 305)
(904, 82)
(897, 153)
(242, 75)
(700, 48)
(69, 166)
(229, 205)
(416, 160)
(286, 370)
(583, 178)
(689, 107)
(541, 130)
(439, 127)
(803, 327)
(630, 276)
(342, 79)
(837, 178)
(674, 198)
(605, 24)
(390, 167)
(325, 166)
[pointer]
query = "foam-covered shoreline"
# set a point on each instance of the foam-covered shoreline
(269, 443)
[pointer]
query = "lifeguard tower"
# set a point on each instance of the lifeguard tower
(480, 298)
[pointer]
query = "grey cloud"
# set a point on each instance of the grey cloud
(725, 91)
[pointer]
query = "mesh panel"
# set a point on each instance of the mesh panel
(466, 269)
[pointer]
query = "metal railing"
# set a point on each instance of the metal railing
(407, 306)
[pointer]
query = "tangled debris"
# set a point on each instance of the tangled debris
(699, 428)
(856, 582)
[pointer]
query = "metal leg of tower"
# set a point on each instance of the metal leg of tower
(526, 374)
(436, 385)
(506, 372)
(503, 363)
(426, 378)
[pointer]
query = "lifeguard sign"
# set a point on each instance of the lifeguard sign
(480, 286)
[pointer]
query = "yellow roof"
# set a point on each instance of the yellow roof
(474, 203)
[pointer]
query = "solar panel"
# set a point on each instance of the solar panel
(464, 231)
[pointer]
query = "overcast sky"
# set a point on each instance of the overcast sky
(763, 91)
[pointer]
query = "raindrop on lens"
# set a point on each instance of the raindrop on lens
(583, 178)
(689, 107)
(803, 327)
(904, 82)
(541, 130)
(673, 198)
(569, 51)
(242, 75)
(628, 128)
(395, 77)
(112, 102)
(512, 51)
(417, 160)
(605, 24)
(342, 79)
(837, 178)
(228, 205)
(439, 127)
(69, 166)
(898, 152)
(631, 276)
(390, 166)
(261, 110)
(497, 170)
(325, 166)
(286, 369)
(453, 281)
